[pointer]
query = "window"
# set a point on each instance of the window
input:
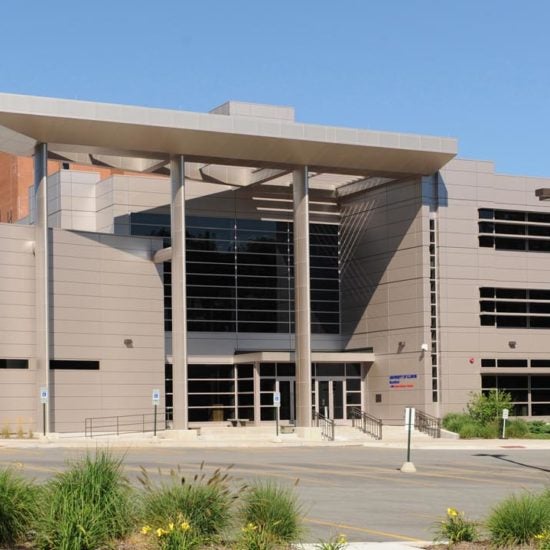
(240, 274)
(514, 307)
(219, 392)
(519, 225)
(73, 364)
(14, 363)
(530, 393)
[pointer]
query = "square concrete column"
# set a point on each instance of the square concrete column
(42, 276)
(257, 395)
(179, 294)
(302, 306)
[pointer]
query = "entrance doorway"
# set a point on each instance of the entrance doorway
(329, 397)
(287, 388)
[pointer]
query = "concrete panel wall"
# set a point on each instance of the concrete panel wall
(17, 336)
(105, 290)
(464, 187)
(384, 292)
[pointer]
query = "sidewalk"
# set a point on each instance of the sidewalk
(394, 438)
(374, 545)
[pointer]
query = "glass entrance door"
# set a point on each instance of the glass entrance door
(287, 388)
(329, 398)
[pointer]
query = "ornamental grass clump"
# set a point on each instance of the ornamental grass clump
(204, 503)
(456, 528)
(519, 519)
(338, 542)
(18, 498)
(86, 507)
(271, 516)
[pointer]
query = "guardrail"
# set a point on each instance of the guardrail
(427, 423)
(130, 423)
(366, 422)
(326, 425)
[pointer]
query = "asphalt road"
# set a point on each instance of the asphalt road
(355, 490)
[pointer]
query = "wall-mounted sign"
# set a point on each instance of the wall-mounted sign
(43, 395)
(402, 381)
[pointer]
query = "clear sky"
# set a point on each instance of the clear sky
(478, 70)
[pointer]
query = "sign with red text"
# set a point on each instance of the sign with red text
(402, 381)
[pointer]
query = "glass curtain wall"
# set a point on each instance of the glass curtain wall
(240, 274)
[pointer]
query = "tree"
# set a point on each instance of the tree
(486, 407)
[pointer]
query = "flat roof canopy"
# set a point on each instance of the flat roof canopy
(100, 128)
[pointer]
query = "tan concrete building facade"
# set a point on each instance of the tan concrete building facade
(226, 256)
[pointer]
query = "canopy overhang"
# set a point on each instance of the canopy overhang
(107, 129)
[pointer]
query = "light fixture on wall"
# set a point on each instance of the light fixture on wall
(424, 347)
(512, 344)
(128, 342)
(400, 346)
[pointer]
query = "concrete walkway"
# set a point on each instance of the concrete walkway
(394, 437)
(373, 546)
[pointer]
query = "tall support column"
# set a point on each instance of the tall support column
(257, 396)
(302, 307)
(42, 278)
(179, 294)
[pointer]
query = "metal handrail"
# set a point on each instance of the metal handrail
(130, 423)
(326, 424)
(427, 423)
(366, 422)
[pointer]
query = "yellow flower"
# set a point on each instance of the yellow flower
(160, 531)
(185, 526)
(146, 529)
(170, 526)
(249, 527)
(452, 513)
(342, 539)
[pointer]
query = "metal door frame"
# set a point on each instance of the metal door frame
(330, 380)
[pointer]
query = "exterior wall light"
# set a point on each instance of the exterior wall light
(512, 344)
(128, 342)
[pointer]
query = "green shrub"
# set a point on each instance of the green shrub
(517, 428)
(17, 506)
(456, 528)
(471, 430)
(468, 430)
(271, 515)
(454, 421)
(204, 503)
(538, 427)
(518, 519)
(87, 506)
(484, 408)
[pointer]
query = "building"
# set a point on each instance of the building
(223, 256)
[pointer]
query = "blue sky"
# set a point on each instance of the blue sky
(478, 70)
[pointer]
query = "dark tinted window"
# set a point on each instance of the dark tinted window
(14, 363)
(71, 364)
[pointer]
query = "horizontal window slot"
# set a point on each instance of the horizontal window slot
(14, 363)
(73, 364)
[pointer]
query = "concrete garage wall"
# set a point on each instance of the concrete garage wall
(17, 336)
(105, 290)
(383, 291)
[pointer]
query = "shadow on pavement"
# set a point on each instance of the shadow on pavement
(503, 457)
